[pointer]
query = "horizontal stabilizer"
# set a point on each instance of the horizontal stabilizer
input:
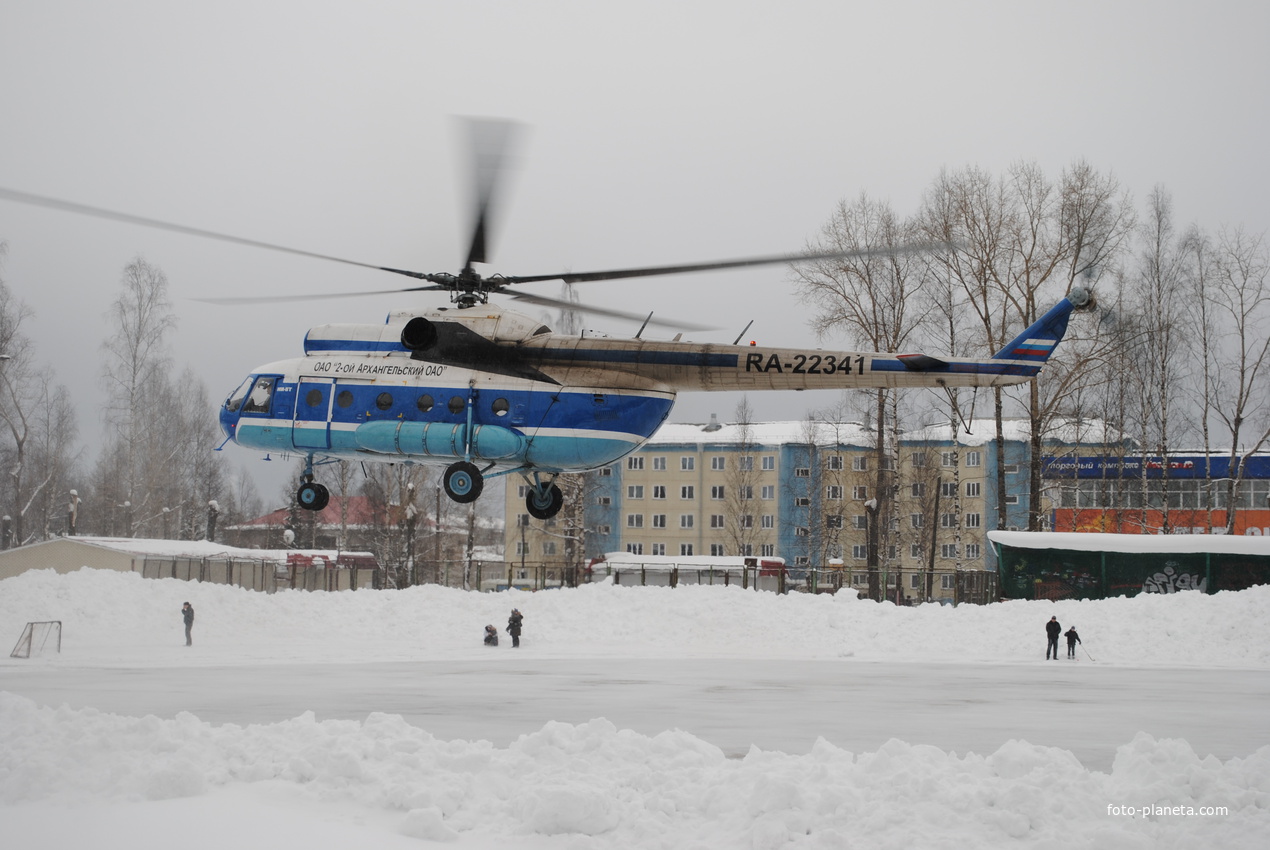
(921, 362)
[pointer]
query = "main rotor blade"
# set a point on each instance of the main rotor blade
(112, 215)
(491, 144)
(653, 271)
(545, 301)
(283, 299)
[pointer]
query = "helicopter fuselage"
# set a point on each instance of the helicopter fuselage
(499, 390)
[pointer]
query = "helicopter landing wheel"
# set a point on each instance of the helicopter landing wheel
(312, 496)
(544, 503)
(463, 482)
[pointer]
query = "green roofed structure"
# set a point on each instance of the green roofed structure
(1049, 565)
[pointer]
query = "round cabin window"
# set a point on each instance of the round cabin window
(456, 404)
(383, 401)
(500, 407)
(344, 399)
(314, 398)
(424, 403)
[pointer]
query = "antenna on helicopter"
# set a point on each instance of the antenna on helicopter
(641, 327)
(737, 341)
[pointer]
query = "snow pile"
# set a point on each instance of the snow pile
(120, 618)
(632, 791)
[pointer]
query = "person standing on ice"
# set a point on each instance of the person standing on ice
(1052, 631)
(1072, 640)
(187, 611)
(513, 626)
(491, 635)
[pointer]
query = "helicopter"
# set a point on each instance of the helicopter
(485, 391)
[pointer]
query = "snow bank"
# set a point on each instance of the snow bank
(627, 790)
(121, 619)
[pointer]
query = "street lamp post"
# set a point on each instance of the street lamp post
(871, 554)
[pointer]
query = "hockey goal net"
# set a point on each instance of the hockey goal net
(39, 638)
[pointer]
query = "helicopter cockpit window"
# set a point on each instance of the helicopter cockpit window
(542, 329)
(235, 399)
(260, 397)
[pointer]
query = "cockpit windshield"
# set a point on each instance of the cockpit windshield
(235, 399)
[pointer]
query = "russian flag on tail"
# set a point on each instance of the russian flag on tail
(1029, 350)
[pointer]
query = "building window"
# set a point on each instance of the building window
(604, 529)
(521, 547)
(659, 463)
(973, 552)
(685, 550)
(802, 561)
(974, 458)
(745, 463)
(860, 463)
(860, 522)
(659, 491)
(635, 462)
(859, 552)
(915, 551)
(768, 492)
(769, 463)
(603, 501)
(634, 548)
(802, 531)
(522, 491)
(1011, 500)
(745, 521)
(768, 521)
(746, 492)
(549, 547)
(916, 520)
(659, 548)
(947, 459)
(716, 492)
(946, 581)
(767, 550)
(833, 521)
(918, 490)
(686, 520)
(972, 488)
(717, 521)
(687, 463)
(947, 520)
(522, 520)
(659, 520)
(972, 520)
(687, 492)
(718, 463)
(635, 491)
(716, 550)
(834, 492)
(918, 460)
(859, 492)
(1011, 469)
(947, 489)
(802, 472)
(802, 502)
(634, 520)
(606, 472)
(948, 550)
(915, 582)
(833, 463)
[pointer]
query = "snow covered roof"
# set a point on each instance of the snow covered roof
(152, 548)
(1102, 542)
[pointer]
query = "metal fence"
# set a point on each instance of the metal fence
(264, 576)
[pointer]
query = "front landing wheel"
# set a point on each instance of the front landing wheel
(545, 503)
(463, 482)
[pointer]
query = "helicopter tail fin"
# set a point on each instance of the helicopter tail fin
(1030, 350)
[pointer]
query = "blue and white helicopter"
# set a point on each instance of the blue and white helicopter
(487, 391)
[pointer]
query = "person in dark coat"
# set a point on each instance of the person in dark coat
(491, 635)
(187, 611)
(1072, 640)
(1052, 631)
(513, 626)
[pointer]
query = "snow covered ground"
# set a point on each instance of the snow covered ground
(631, 718)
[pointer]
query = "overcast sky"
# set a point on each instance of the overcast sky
(657, 133)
